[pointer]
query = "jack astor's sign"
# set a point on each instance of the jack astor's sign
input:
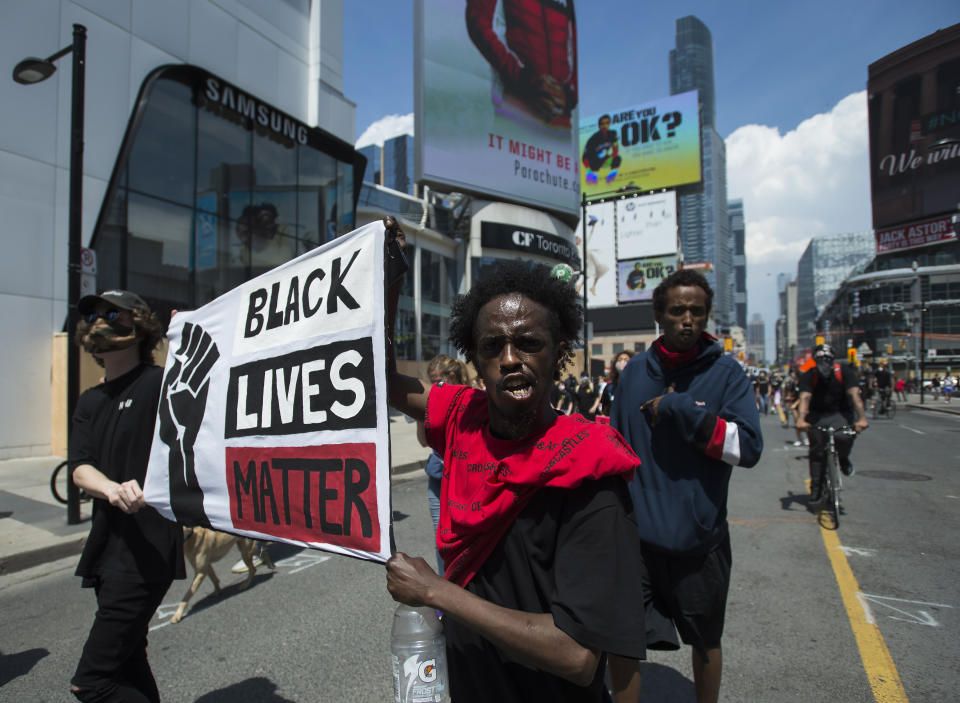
(916, 234)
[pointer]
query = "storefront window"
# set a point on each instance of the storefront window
(216, 187)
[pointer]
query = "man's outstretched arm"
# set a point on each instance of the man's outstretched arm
(404, 393)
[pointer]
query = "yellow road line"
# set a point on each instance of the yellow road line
(877, 662)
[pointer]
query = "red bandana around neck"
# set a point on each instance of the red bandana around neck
(672, 360)
(488, 481)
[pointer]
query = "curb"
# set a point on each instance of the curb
(41, 555)
(946, 411)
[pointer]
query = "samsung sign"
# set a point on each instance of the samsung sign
(531, 241)
(259, 113)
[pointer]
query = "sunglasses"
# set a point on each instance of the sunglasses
(110, 315)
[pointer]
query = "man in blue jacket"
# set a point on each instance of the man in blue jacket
(688, 411)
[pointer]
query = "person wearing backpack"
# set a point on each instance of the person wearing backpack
(829, 397)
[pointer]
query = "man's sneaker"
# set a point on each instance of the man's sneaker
(797, 443)
(816, 499)
(846, 467)
(241, 568)
(806, 441)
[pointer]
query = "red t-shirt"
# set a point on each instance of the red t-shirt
(488, 481)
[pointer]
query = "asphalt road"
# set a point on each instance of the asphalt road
(318, 628)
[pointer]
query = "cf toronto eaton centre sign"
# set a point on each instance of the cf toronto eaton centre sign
(504, 236)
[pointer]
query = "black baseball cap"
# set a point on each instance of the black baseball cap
(823, 351)
(123, 299)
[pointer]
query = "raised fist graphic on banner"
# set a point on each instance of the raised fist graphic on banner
(182, 404)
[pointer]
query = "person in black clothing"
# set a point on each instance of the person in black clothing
(618, 364)
(829, 397)
(521, 621)
(132, 554)
(883, 382)
(586, 397)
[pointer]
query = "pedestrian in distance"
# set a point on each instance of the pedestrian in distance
(441, 369)
(521, 481)
(690, 413)
(133, 553)
(617, 365)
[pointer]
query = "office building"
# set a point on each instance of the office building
(756, 341)
(823, 266)
(704, 225)
(217, 144)
(738, 235)
(903, 305)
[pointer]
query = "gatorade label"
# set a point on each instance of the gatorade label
(416, 680)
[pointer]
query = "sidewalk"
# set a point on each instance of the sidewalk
(33, 525)
(938, 405)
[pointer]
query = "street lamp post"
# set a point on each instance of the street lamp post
(922, 341)
(28, 72)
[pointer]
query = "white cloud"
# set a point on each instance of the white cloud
(813, 180)
(385, 128)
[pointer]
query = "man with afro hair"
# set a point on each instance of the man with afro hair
(536, 533)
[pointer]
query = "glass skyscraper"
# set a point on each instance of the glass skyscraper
(704, 226)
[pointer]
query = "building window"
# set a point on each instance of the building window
(204, 197)
(596, 350)
(639, 346)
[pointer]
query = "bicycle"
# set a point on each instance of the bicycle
(58, 484)
(884, 406)
(831, 472)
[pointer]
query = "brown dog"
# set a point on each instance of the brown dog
(202, 547)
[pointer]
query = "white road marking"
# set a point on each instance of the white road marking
(919, 617)
(912, 430)
(858, 551)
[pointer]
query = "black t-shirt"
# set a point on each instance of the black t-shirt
(882, 378)
(828, 395)
(586, 397)
(113, 431)
(574, 553)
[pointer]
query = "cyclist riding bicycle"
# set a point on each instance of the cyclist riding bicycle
(829, 397)
(884, 384)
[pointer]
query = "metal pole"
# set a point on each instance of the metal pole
(923, 340)
(583, 267)
(75, 244)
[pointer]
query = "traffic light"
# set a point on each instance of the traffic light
(889, 349)
(728, 344)
(852, 356)
(819, 339)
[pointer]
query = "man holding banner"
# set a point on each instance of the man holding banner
(530, 502)
(132, 554)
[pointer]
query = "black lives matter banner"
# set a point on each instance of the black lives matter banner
(271, 424)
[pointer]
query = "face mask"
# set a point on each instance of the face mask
(107, 337)
(621, 365)
(584, 379)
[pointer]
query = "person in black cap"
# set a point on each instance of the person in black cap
(132, 554)
(829, 397)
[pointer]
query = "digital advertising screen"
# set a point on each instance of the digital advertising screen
(636, 278)
(647, 225)
(496, 100)
(643, 147)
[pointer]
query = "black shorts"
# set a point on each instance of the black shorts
(689, 593)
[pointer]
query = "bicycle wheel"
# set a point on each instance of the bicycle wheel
(834, 487)
(892, 410)
(58, 482)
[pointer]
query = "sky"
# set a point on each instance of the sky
(791, 100)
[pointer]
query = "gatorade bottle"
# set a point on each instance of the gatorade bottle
(419, 654)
